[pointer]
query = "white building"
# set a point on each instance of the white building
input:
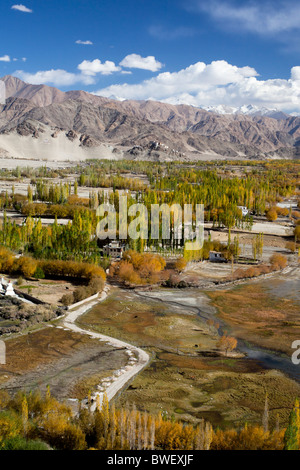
(6, 288)
(244, 210)
(10, 290)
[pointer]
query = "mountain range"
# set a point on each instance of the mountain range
(42, 122)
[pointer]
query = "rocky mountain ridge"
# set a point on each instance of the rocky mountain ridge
(142, 129)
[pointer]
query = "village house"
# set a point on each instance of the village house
(217, 257)
(114, 249)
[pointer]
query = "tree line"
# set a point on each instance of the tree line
(33, 421)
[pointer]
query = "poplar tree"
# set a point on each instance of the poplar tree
(291, 436)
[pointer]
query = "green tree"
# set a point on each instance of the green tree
(291, 436)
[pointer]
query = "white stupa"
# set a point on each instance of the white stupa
(10, 290)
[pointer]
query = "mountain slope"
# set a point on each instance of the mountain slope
(143, 129)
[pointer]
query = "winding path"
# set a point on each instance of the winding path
(137, 358)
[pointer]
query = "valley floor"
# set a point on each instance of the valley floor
(188, 375)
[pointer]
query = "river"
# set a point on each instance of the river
(194, 301)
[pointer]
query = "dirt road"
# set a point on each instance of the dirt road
(137, 358)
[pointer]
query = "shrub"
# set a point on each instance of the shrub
(250, 272)
(80, 294)
(173, 280)
(34, 209)
(10, 425)
(296, 214)
(125, 270)
(96, 285)
(283, 211)
(6, 260)
(271, 214)
(297, 232)
(291, 246)
(278, 261)
(180, 264)
(67, 299)
(138, 268)
(73, 269)
(39, 273)
(25, 265)
(264, 269)
(83, 292)
(20, 443)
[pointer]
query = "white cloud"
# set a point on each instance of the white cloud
(257, 17)
(190, 80)
(5, 58)
(15, 59)
(91, 68)
(21, 8)
(60, 77)
(84, 43)
(56, 77)
(135, 61)
(217, 83)
(200, 84)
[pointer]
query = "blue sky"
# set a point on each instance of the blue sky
(180, 51)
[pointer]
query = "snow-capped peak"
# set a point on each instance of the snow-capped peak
(248, 110)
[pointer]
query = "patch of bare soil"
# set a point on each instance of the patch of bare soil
(58, 358)
(49, 291)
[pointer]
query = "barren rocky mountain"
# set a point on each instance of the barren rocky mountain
(80, 125)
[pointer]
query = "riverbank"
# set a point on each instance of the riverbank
(187, 376)
(264, 312)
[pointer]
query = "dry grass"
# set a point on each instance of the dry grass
(39, 348)
(82, 388)
(148, 323)
(192, 389)
(227, 391)
(254, 315)
(70, 363)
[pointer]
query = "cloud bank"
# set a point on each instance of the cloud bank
(200, 84)
(217, 83)
(56, 77)
(265, 18)
(88, 71)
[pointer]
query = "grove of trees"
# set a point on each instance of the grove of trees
(30, 421)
